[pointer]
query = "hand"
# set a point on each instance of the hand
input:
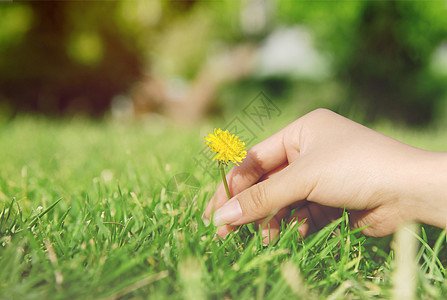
(323, 163)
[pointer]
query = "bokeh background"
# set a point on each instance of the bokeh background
(187, 60)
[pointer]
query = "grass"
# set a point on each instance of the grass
(87, 210)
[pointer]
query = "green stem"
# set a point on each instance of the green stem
(224, 179)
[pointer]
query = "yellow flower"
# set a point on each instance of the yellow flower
(227, 146)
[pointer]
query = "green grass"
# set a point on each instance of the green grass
(86, 211)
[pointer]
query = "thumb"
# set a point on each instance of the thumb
(266, 198)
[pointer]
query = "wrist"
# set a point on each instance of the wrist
(428, 189)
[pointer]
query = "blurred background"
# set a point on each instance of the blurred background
(188, 60)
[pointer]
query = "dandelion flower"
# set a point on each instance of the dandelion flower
(227, 146)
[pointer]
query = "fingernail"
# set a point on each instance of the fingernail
(228, 213)
(268, 236)
(265, 242)
(205, 220)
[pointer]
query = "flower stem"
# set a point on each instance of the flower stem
(224, 179)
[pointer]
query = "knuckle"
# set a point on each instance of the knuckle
(320, 113)
(253, 166)
(258, 197)
(313, 118)
(318, 120)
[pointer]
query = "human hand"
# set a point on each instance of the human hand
(323, 163)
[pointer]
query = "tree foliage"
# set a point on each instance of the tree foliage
(67, 56)
(382, 50)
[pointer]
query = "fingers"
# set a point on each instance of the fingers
(303, 215)
(373, 222)
(266, 198)
(315, 217)
(226, 229)
(311, 216)
(261, 159)
(270, 228)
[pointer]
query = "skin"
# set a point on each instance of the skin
(323, 163)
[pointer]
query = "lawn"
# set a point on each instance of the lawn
(109, 210)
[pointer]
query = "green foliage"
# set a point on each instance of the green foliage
(381, 51)
(74, 56)
(65, 57)
(86, 48)
(86, 211)
(14, 23)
